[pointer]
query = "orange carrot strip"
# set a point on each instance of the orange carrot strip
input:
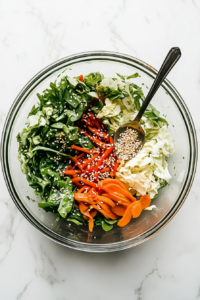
(145, 201)
(126, 217)
(92, 192)
(82, 197)
(118, 189)
(80, 149)
(99, 143)
(76, 162)
(75, 175)
(103, 212)
(113, 216)
(105, 206)
(82, 118)
(114, 169)
(84, 210)
(71, 172)
(104, 156)
(105, 170)
(79, 156)
(77, 184)
(118, 210)
(117, 197)
(85, 187)
(94, 120)
(85, 181)
(99, 133)
(88, 122)
(93, 213)
(136, 209)
(112, 180)
(84, 165)
(106, 200)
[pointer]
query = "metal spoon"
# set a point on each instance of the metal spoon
(169, 62)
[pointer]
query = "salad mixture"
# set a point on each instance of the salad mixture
(68, 155)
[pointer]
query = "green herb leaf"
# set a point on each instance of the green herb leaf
(121, 76)
(133, 76)
(106, 226)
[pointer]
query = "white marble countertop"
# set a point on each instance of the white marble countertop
(36, 33)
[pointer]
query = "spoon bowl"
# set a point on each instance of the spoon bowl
(135, 125)
(169, 62)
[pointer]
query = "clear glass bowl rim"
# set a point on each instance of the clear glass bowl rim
(185, 190)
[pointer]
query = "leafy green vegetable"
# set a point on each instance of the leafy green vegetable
(106, 226)
(76, 114)
(111, 222)
(121, 76)
(70, 132)
(93, 79)
(98, 107)
(133, 76)
(84, 142)
(74, 221)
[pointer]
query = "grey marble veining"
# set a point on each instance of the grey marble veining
(34, 34)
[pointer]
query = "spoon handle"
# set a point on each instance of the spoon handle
(169, 62)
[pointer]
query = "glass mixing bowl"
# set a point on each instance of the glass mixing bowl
(182, 164)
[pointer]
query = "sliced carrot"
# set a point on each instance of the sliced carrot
(71, 172)
(111, 180)
(92, 192)
(106, 200)
(81, 78)
(113, 216)
(84, 210)
(119, 210)
(136, 209)
(99, 133)
(80, 149)
(117, 197)
(84, 165)
(127, 216)
(96, 122)
(103, 212)
(85, 187)
(105, 170)
(77, 184)
(81, 197)
(105, 206)
(75, 175)
(118, 189)
(88, 122)
(114, 169)
(145, 201)
(104, 156)
(93, 213)
(76, 162)
(79, 156)
(85, 181)
(99, 143)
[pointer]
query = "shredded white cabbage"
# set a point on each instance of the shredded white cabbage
(146, 172)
